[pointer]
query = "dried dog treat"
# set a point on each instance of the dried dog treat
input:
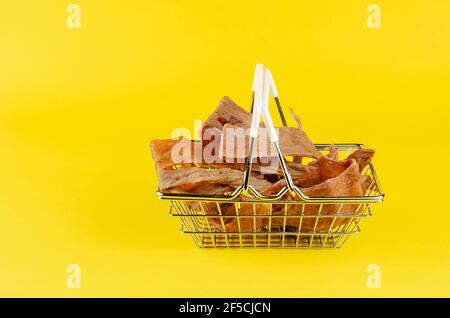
(306, 176)
(366, 183)
(226, 112)
(293, 141)
(194, 180)
(254, 224)
(333, 153)
(163, 156)
(329, 168)
(297, 119)
(232, 224)
(296, 159)
(346, 184)
(362, 157)
(246, 225)
(234, 144)
(217, 208)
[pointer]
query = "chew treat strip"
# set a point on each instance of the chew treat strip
(197, 180)
(297, 119)
(227, 112)
(296, 159)
(362, 157)
(163, 155)
(293, 142)
(346, 184)
(333, 153)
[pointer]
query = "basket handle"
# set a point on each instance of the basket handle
(258, 77)
(257, 104)
(263, 85)
(269, 84)
(266, 88)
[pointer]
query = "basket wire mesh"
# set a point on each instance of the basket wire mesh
(323, 230)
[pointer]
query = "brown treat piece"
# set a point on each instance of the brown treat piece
(333, 153)
(197, 180)
(253, 224)
(307, 176)
(346, 184)
(227, 112)
(362, 157)
(293, 142)
(367, 183)
(297, 119)
(162, 153)
(296, 159)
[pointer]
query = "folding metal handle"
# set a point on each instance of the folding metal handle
(258, 99)
(269, 84)
(256, 118)
(263, 85)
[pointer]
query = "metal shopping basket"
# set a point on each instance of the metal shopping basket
(290, 218)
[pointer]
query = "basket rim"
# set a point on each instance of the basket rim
(255, 197)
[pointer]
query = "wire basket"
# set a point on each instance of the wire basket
(274, 221)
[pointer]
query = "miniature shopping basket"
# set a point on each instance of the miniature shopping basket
(317, 222)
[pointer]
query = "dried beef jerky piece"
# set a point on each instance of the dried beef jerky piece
(271, 169)
(246, 225)
(235, 141)
(306, 176)
(297, 119)
(362, 157)
(257, 167)
(227, 209)
(227, 112)
(197, 180)
(183, 153)
(295, 142)
(296, 159)
(329, 168)
(218, 208)
(272, 178)
(164, 153)
(254, 224)
(210, 189)
(367, 183)
(333, 153)
(346, 184)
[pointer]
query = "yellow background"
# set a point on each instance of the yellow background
(79, 107)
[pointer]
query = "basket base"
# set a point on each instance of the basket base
(273, 240)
